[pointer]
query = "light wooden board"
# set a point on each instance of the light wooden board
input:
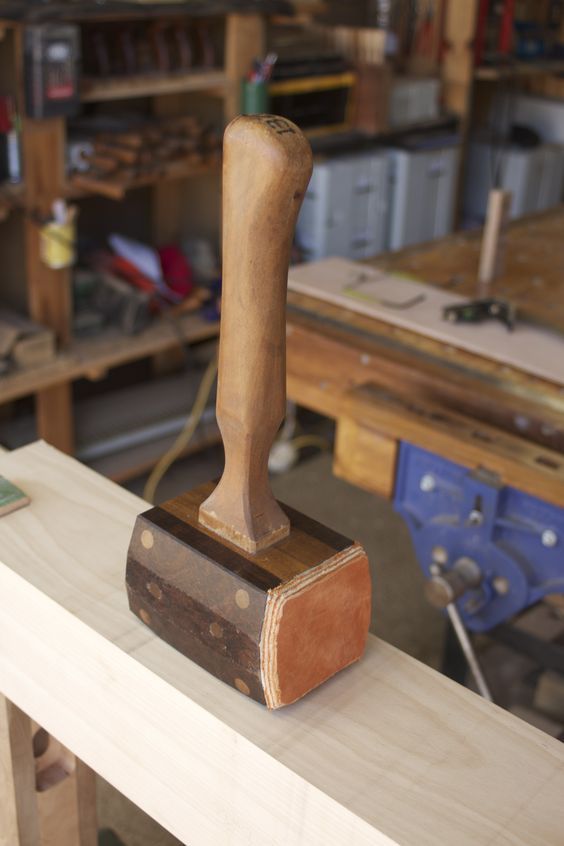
(386, 296)
(389, 752)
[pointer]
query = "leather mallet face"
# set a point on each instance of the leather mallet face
(266, 599)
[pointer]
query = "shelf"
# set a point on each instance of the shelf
(132, 463)
(11, 195)
(84, 185)
(309, 84)
(149, 85)
(493, 73)
(90, 358)
(325, 143)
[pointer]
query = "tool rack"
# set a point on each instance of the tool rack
(180, 196)
(174, 203)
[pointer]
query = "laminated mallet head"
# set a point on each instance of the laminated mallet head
(266, 599)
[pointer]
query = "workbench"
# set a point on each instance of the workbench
(450, 436)
(331, 350)
(387, 752)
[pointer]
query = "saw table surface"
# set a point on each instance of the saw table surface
(388, 752)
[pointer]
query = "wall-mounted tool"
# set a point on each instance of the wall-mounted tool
(268, 600)
(10, 159)
(52, 58)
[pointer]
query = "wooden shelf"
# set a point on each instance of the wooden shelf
(84, 185)
(308, 84)
(487, 73)
(90, 358)
(132, 463)
(149, 85)
(240, 37)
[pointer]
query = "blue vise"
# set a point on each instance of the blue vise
(490, 548)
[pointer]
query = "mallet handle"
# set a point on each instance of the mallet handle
(266, 168)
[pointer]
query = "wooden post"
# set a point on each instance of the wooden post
(458, 69)
(49, 291)
(55, 416)
(245, 40)
(19, 818)
(492, 254)
(48, 796)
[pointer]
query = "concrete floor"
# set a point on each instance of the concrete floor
(400, 614)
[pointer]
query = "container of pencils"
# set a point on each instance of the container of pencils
(254, 87)
(254, 97)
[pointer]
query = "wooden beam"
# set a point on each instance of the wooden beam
(245, 40)
(458, 59)
(49, 291)
(329, 351)
(458, 72)
(389, 752)
(55, 418)
(42, 802)
(528, 467)
(19, 819)
(365, 458)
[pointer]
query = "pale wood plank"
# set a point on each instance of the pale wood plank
(394, 300)
(388, 752)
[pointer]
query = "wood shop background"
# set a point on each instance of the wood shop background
(426, 294)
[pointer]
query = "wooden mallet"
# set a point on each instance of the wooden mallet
(263, 597)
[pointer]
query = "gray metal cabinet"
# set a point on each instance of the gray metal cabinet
(534, 177)
(345, 208)
(422, 194)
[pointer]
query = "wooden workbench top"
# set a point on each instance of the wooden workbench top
(332, 349)
(533, 278)
(388, 752)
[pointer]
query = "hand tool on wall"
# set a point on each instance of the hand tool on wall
(268, 600)
(52, 58)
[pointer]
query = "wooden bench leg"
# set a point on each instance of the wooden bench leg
(47, 795)
(19, 817)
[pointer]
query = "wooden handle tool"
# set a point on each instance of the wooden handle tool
(267, 166)
(270, 608)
